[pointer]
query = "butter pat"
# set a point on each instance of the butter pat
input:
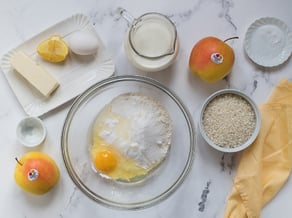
(39, 78)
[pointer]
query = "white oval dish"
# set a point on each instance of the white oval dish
(268, 42)
(31, 131)
(88, 69)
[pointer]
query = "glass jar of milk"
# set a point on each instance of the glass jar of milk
(151, 43)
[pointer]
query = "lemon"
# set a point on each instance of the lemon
(53, 49)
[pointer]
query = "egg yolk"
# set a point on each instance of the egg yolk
(105, 161)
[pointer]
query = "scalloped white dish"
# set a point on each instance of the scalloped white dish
(75, 74)
(268, 42)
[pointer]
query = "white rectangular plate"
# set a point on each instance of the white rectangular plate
(75, 74)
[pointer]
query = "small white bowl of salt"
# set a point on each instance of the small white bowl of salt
(31, 132)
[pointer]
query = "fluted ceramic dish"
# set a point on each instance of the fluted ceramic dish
(75, 74)
(268, 42)
(156, 186)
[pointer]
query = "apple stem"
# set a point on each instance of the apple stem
(18, 161)
(235, 37)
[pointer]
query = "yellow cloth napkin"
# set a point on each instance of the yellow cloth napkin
(265, 166)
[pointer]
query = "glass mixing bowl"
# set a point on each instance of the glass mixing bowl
(161, 182)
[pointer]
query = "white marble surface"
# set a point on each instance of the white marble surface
(195, 19)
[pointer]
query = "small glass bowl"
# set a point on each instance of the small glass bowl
(156, 186)
(257, 121)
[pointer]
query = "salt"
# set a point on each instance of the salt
(31, 131)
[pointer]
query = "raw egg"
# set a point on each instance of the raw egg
(83, 43)
(112, 164)
(105, 161)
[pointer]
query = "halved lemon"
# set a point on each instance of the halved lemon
(53, 49)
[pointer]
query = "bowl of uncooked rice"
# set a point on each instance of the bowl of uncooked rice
(230, 120)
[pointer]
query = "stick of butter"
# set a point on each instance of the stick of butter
(44, 82)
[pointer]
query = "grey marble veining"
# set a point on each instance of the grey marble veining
(203, 194)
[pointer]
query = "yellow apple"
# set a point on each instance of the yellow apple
(36, 172)
(211, 59)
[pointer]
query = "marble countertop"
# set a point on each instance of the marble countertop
(204, 192)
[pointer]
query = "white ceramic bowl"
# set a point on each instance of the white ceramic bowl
(76, 139)
(257, 121)
(31, 131)
(268, 42)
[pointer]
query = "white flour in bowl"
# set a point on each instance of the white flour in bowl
(138, 127)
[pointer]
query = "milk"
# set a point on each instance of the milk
(153, 39)
(151, 43)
